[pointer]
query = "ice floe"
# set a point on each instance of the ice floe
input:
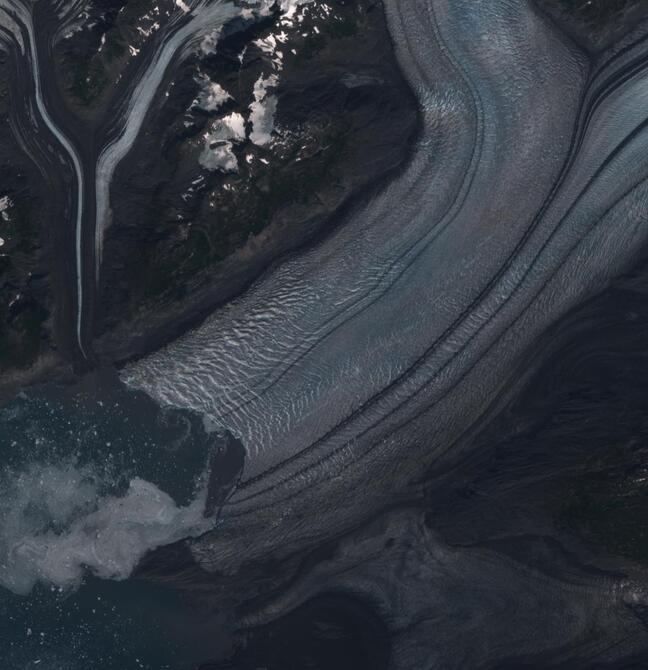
(57, 522)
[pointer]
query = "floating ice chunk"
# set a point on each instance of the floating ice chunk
(56, 522)
(183, 6)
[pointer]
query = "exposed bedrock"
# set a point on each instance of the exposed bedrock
(251, 148)
(567, 454)
(25, 281)
(200, 142)
(457, 606)
(528, 553)
(94, 476)
(596, 24)
(351, 369)
(37, 218)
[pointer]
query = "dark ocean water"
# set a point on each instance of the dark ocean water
(107, 625)
(567, 452)
(95, 476)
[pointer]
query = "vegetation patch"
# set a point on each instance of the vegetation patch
(342, 118)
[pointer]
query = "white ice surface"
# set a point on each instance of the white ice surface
(55, 525)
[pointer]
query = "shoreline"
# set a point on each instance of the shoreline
(152, 329)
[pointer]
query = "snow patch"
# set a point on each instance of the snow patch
(209, 42)
(5, 205)
(218, 153)
(289, 7)
(212, 96)
(262, 110)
